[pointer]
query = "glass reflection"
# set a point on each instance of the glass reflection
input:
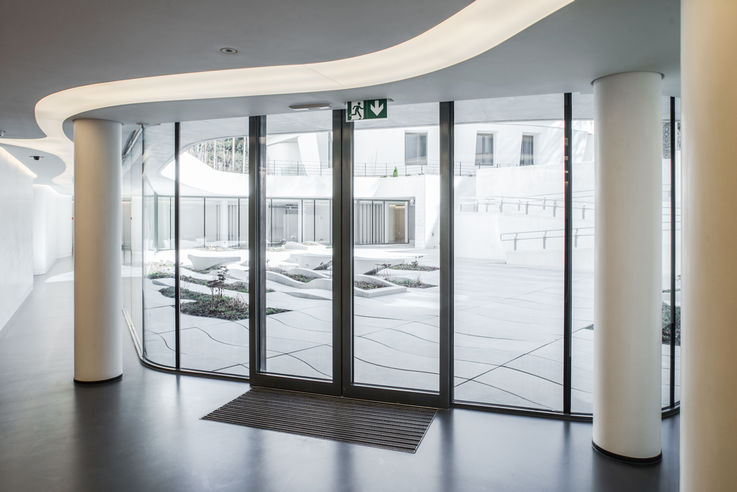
(159, 316)
(299, 187)
(509, 252)
(213, 258)
(396, 211)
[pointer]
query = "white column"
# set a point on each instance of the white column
(627, 315)
(709, 281)
(97, 243)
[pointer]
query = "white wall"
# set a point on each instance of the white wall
(380, 150)
(508, 141)
(52, 227)
(16, 236)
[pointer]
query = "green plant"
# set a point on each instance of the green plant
(218, 283)
(160, 269)
(160, 274)
(668, 321)
(379, 267)
(294, 276)
(362, 284)
(414, 265)
(225, 307)
(414, 284)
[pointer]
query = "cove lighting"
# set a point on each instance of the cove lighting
(475, 29)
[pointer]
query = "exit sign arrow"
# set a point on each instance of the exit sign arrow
(377, 107)
(368, 109)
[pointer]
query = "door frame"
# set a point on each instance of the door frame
(343, 383)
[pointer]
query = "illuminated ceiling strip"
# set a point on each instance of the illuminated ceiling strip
(477, 28)
(4, 154)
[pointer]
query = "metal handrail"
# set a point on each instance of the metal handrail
(545, 234)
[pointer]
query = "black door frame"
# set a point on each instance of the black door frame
(343, 383)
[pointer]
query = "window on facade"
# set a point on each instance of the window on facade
(415, 149)
(527, 154)
(484, 149)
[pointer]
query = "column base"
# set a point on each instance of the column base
(103, 381)
(626, 459)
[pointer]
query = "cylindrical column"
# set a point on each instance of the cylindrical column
(97, 241)
(627, 314)
(709, 281)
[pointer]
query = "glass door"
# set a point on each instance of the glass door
(350, 255)
(395, 282)
(296, 337)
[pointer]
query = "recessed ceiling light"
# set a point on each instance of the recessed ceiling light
(228, 51)
(309, 106)
(37, 157)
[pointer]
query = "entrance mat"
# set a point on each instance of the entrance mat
(384, 425)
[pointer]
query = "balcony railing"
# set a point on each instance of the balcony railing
(369, 169)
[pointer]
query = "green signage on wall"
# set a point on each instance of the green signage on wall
(369, 109)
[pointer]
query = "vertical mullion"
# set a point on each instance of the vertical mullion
(447, 117)
(343, 248)
(336, 232)
(177, 283)
(143, 240)
(256, 246)
(672, 251)
(568, 251)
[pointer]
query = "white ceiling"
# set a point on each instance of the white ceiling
(48, 46)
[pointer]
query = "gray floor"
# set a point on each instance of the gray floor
(145, 433)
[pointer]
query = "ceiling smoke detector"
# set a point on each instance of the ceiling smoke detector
(228, 51)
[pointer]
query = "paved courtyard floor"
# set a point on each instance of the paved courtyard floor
(508, 332)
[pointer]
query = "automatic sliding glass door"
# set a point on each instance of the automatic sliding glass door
(297, 338)
(395, 284)
(351, 263)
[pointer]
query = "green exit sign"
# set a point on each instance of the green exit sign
(369, 109)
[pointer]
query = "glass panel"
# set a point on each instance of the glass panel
(527, 153)
(158, 254)
(299, 283)
(213, 256)
(509, 253)
(415, 149)
(323, 221)
(484, 149)
(666, 193)
(308, 220)
(678, 250)
(396, 294)
(132, 226)
(583, 253)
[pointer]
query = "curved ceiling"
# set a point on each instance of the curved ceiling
(563, 52)
(49, 46)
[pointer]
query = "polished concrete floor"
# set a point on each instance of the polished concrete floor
(145, 433)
